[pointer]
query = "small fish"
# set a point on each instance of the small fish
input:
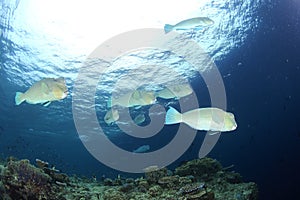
(111, 116)
(214, 120)
(137, 98)
(151, 168)
(139, 119)
(44, 91)
(142, 149)
(176, 91)
(190, 24)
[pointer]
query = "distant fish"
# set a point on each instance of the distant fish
(137, 98)
(111, 116)
(139, 119)
(208, 119)
(142, 149)
(151, 168)
(44, 91)
(190, 24)
(176, 91)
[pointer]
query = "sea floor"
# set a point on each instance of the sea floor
(199, 179)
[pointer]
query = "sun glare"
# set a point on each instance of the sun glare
(90, 22)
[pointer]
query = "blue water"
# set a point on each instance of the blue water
(256, 53)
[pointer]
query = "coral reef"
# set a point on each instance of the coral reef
(200, 179)
(153, 174)
(200, 168)
(21, 180)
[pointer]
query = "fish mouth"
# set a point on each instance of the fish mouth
(234, 126)
(153, 101)
(65, 94)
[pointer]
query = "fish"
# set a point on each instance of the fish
(111, 116)
(176, 91)
(142, 149)
(139, 119)
(44, 92)
(190, 24)
(137, 98)
(151, 168)
(210, 119)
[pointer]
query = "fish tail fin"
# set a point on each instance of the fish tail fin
(19, 98)
(173, 116)
(168, 28)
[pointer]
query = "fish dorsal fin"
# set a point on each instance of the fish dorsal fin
(137, 107)
(45, 88)
(217, 116)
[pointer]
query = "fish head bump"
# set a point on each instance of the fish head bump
(229, 122)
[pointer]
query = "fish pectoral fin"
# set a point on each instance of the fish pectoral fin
(213, 132)
(45, 88)
(137, 107)
(46, 103)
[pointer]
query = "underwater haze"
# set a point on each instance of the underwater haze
(255, 46)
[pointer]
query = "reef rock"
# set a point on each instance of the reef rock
(153, 175)
(22, 180)
(199, 168)
(200, 179)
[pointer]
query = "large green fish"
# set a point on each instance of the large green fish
(206, 119)
(175, 91)
(190, 24)
(137, 98)
(44, 91)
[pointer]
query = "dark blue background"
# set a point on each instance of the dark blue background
(263, 91)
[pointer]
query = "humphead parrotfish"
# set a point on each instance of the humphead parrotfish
(137, 98)
(44, 91)
(190, 24)
(207, 119)
(175, 91)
